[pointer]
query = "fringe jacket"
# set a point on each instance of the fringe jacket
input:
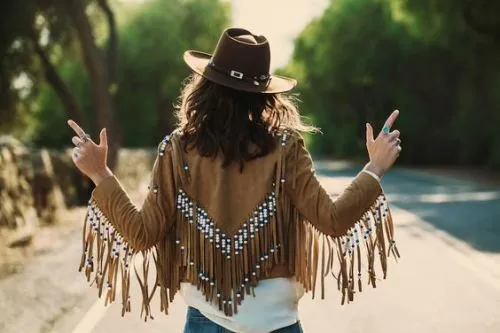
(223, 230)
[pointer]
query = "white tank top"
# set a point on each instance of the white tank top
(274, 306)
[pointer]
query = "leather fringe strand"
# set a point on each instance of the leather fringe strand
(227, 268)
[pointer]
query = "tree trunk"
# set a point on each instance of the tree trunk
(65, 96)
(112, 68)
(99, 81)
(112, 47)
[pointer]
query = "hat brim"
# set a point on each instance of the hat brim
(198, 62)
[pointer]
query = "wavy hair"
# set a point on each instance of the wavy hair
(241, 125)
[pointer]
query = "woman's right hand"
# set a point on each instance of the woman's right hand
(384, 150)
(90, 158)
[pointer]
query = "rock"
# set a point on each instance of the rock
(21, 239)
(49, 199)
(16, 197)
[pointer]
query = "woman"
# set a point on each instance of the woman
(235, 218)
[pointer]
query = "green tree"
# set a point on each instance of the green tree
(35, 33)
(152, 67)
(429, 63)
(149, 74)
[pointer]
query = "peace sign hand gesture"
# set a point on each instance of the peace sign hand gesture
(384, 150)
(90, 158)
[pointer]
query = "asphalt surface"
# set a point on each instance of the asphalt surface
(465, 210)
(448, 279)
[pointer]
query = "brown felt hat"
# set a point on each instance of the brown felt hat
(241, 61)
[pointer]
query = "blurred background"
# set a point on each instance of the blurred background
(118, 64)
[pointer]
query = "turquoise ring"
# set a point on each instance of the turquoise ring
(385, 130)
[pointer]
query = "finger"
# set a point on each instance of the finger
(75, 155)
(392, 118)
(390, 121)
(77, 141)
(78, 130)
(369, 133)
(394, 135)
(103, 138)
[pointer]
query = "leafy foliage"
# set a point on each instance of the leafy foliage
(363, 58)
(152, 69)
(149, 74)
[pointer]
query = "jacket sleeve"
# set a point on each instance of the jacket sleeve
(142, 227)
(330, 216)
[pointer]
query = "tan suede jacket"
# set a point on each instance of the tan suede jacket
(224, 230)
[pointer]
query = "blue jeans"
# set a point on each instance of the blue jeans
(198, 323)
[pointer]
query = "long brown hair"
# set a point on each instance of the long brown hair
(214, 119)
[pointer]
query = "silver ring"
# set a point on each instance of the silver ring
(398, 141)
(85, 137)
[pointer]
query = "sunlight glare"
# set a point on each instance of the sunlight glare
(279, 20)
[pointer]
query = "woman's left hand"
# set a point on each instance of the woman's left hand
(90, 158)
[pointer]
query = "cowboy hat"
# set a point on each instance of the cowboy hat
(241, 60)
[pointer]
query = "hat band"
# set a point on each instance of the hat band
(259, 80)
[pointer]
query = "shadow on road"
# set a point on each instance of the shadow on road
(467, 211)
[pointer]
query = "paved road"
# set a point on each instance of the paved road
(447, 281)
(467, 211)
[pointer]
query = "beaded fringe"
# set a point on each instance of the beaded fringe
(226, 268)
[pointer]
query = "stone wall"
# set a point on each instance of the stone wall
(17, 209)
(37, 185)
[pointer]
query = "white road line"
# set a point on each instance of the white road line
(478, 270)
(480, 265)
(93, 316)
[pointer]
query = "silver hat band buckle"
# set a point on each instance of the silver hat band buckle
(260, 80)
(236, 74)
